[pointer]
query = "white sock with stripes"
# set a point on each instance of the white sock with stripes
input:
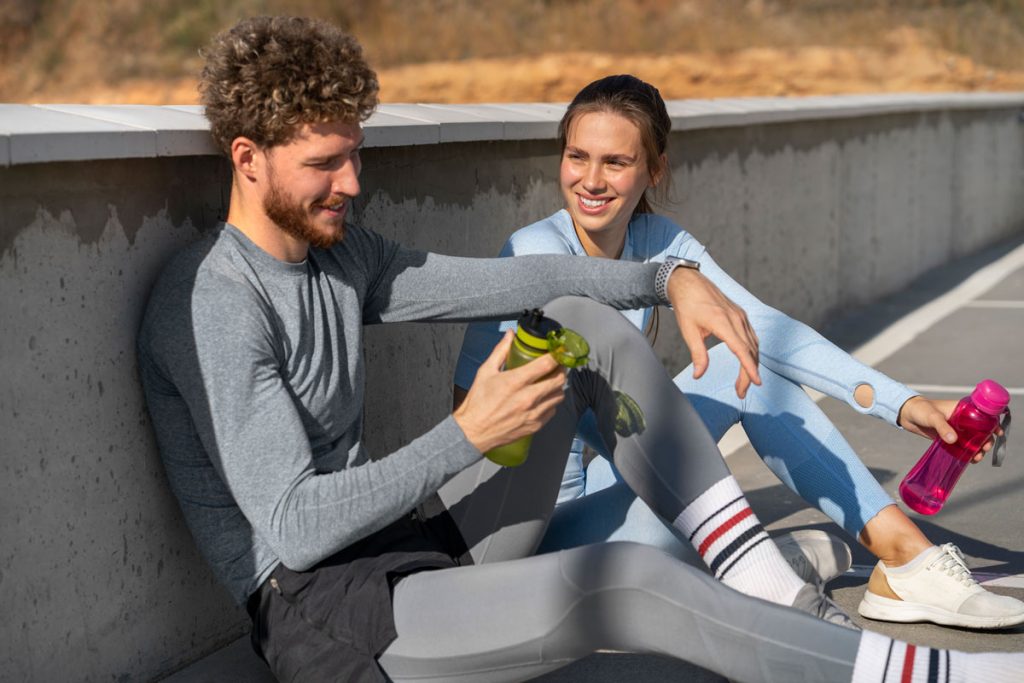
(881, 659)
(728, 535)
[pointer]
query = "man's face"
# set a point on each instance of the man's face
(311, 181)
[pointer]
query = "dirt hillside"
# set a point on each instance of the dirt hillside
(904, 64)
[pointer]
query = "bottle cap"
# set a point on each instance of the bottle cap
(990, 397)
(544, 334)
(533, 329)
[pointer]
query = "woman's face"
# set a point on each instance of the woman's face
(603, 176)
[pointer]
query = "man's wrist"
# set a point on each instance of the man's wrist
(665, 271)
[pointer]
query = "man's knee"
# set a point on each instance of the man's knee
(597, 322)
(619, 564)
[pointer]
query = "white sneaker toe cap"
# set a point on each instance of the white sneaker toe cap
(988, 604)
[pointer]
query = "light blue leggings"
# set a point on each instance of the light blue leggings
(786, 428)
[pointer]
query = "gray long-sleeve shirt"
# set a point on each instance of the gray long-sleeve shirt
(253, 373)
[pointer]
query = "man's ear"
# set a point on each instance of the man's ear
(246, 157)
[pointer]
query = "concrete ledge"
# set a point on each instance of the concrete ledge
(37, 134)
(174, 131)
(75, 132)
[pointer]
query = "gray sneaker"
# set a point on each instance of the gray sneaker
(812, 599)
(816, 556)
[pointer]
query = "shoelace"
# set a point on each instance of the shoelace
(952, 562)
(833, 613)
(827, 608)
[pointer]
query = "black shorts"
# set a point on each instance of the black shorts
(331, 622)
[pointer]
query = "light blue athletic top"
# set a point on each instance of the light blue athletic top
(787, 346)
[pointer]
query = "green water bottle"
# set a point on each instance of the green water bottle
(535, 336)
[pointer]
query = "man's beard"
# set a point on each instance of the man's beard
(295, 220)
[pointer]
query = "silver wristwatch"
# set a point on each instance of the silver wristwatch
(670, 264)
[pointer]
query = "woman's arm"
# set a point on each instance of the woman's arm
(795, 350)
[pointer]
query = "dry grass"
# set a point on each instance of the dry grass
(56, 48)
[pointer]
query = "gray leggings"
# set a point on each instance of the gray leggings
(512, 615)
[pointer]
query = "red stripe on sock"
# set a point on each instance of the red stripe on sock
(717, 533)
(908, 664)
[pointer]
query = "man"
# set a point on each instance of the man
(250, 354)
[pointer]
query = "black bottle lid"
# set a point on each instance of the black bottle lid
(534, 328)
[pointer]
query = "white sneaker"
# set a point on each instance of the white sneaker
(816, 556)
(941, 590)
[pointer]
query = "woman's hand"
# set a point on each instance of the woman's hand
(702, 310)
(930, 419)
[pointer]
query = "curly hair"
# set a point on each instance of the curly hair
(266, 75)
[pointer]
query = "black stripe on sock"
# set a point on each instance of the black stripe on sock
(733, 547)
(712, 516)
(933, 665)
(947, 666)
(888, 656)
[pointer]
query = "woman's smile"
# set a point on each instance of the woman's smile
(604, 173)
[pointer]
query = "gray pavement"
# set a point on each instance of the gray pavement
(964, 339)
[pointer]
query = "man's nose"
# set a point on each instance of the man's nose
(346, 180)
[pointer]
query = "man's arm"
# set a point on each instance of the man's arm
(214, 387)
(412, 285)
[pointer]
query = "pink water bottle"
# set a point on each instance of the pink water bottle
(975, 418)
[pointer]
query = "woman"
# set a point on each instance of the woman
(613, 138)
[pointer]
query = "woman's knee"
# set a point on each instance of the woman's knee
(719, 381)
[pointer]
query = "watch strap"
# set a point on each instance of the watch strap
(665, 270)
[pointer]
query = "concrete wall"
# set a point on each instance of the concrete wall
(815, 207)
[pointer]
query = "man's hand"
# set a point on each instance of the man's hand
(503, 406)
(702, 310)
(930, 419)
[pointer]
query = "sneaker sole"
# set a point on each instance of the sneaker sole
(886, 609)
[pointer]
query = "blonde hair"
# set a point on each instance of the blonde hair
(266, 75)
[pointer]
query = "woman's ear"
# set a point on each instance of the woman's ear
(660, 172)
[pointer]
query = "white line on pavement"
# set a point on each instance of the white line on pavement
(992, 303)
(952, 389)
(904, 330)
